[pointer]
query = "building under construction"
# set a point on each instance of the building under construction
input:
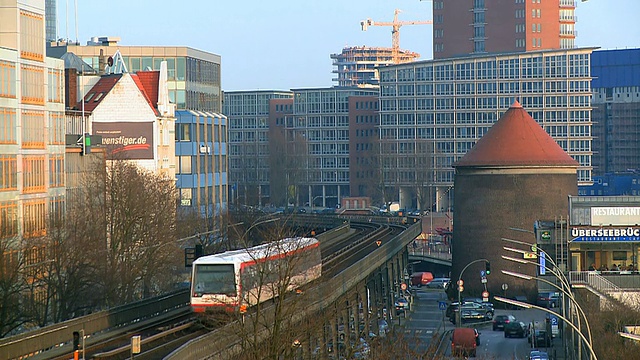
(356, 66)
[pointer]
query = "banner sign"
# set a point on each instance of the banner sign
(621, 215)
(128, 140)
(621, 234)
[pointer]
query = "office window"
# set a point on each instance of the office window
(8, 173)
(8, 219)
(7, 126)
(56, 170)
(33, 174)
(35, 216)
(56, 128)
(33, 127)
(7, 79)
(31, 36)
(55, 86)
(32, 84)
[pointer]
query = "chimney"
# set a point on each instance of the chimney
(71, 88)
(101, 63)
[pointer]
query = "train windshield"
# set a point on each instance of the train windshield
(215, 279)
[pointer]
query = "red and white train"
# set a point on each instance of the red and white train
(235, 280)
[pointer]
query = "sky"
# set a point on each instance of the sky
(286, 44)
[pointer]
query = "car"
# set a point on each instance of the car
(438, 283)
(538, 355)
(486, 304)
(500, 320)
(471, 312)
(401, 304)
(548, 299)
(516, 328)
(453, 308)
(383, 327)
(540, 338)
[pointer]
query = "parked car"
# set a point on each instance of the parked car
(500, 320)
(540, 338)
(485, 304)
(438, 283)
(383, 328)
(538, 355)
(401, 304)
(548, 299)
(464, 342)
(471, 312)
(453, 307)
(516, 328)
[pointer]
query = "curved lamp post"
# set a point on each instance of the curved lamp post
(460, 291)
(530, 306)
(569, 295)
(555, 273)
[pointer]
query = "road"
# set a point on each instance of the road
(426, 319)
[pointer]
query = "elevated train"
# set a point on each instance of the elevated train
(235, 280)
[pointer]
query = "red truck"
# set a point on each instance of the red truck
(421, 278)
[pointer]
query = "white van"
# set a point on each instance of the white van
(438, 283)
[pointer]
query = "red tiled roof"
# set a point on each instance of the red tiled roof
(516, 140)
(150, 80)
(98, 92)
(144, 82)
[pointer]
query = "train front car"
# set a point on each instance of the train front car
(243, 278)
(214, 284)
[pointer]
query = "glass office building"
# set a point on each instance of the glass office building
(438, 109)
(193, 75)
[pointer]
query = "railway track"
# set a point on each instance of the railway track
(162, 334)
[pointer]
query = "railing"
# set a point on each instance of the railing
(59, 334)
(593, 279)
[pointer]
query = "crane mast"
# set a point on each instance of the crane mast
(395, 30)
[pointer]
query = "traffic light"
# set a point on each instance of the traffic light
(76, 340)
(488, 270)
(86, 144)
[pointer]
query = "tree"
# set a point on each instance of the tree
(12, 286)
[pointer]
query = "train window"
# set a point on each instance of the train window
(215, 279)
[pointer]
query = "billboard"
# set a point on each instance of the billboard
(619, 215)
(126, 140)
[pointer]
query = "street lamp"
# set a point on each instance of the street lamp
(559, 276)
(313, 201)
(461, 288)
(530, 306)
(568, 294)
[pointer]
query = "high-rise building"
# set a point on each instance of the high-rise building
(433, 112)
(484, 26)
(51, 20)
(316, 149)
(194, 75)
(248, 114)
(32, 127)
(616, 110)
(356, 66)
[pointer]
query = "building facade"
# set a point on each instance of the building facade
(315, 157)
(438, 109)
(616, 110)
(462, 28)
(193, 75)
(603, 230)
(32, 128)
(248, 115)
(201, 161)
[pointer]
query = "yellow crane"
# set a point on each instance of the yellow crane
(395, 30)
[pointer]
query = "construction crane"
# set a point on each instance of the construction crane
(395, 31)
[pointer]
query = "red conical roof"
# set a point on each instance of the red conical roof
(516, 140)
